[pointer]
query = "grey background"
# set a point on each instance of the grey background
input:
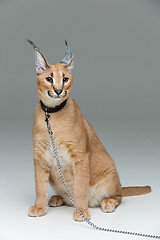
(116, 83)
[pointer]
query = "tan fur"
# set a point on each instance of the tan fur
(133, 191)
(89, 170)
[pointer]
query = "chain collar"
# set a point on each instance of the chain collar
(47, 117)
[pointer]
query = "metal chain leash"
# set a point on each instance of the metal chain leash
(54, 152)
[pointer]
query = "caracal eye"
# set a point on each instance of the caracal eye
(65, 79)
(49, 79)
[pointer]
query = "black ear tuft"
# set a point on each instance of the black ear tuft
(33, 45)
(66, 43)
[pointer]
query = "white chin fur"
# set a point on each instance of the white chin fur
(51, 102)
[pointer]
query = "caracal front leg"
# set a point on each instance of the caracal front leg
(81, 171)
(41, 182)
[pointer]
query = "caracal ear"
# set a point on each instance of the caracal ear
(68, 58)
(40, 60)
(70, 65)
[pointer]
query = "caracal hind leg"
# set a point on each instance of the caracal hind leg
(108, 205)
(55, 201)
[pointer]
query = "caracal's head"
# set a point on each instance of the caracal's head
(54, 82)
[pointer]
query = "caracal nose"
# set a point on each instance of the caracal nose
(58, 91)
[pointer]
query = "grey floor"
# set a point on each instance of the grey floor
(134, 145)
